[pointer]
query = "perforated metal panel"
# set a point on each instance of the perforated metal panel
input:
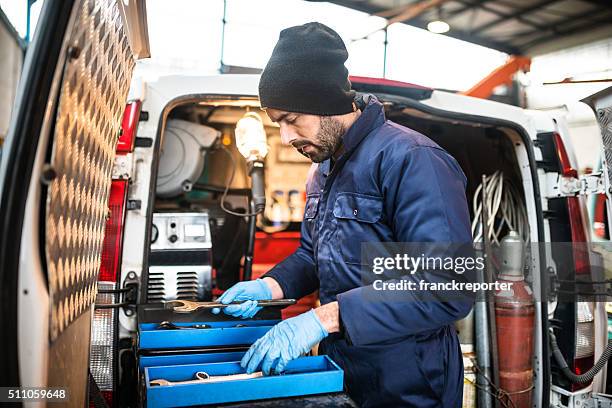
(92, 97)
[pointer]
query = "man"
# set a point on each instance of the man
(372, 181)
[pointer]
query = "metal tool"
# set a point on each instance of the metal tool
(202, 377)
(188, 306)
(166, 325)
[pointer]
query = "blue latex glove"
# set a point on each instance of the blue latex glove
(284, 342)
(251, 291)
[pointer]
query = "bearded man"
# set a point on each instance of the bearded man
(372, 181)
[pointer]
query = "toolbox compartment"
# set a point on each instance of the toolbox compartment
(183, 359)
(303, 376)
(177, 354)
(221, 333)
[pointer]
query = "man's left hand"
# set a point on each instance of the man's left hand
(284, 342)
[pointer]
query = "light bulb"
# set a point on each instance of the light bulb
(251, 137)
(438, 27)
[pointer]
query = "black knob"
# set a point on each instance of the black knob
(154, 234)
(173, 238)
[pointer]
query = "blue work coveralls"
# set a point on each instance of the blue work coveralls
(390, 183)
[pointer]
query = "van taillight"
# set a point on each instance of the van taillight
(576, 220)
(584, 351)
(599, 217)
(113, 236)
(129, 126)
(584, 356)
(103, 353)
(566, 166)
(585, 330)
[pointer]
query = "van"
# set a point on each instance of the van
(112, 197)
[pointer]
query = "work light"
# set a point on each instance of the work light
(251, 143)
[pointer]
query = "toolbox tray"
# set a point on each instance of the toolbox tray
(221, 333)
(303, 376)
(183, 359)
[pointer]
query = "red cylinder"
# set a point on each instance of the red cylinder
(514, 319)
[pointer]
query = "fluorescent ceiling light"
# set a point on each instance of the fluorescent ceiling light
(438, 27)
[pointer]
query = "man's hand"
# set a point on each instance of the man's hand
(284, 342)
(251, 292)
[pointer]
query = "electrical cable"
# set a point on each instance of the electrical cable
(504, 205)
(227, 187)
(501, 395)
(262, 222)
(211, 188)
(582, 378)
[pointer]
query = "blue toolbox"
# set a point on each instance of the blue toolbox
(195, 360)
(230, 333)
(303, 376)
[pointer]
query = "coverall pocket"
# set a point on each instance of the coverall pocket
(310, 215)
(356, 214)
(312, 204)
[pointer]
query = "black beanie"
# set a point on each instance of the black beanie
(306, 73)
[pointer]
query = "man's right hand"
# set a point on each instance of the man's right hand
(249, 292)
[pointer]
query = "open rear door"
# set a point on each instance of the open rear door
(55, 179)
(601, 103)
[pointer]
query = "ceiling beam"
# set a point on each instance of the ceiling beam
(414, 10)
(575, 30)
(555, 26)
(600, 3)
(409, 12)
(465, 36)
(505, 16)
(390, 12)
(453, 33)
(354, 5)
(516, 15)
(467, 6)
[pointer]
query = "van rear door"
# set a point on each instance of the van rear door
(579, 322)
(601, 103)
(55, 176)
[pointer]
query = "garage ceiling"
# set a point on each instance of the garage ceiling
(521, 27)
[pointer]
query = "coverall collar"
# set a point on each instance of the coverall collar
(372, 117)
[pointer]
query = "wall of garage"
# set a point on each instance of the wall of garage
(11, 60)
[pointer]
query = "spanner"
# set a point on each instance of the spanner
(189, 306)
(171, 326)
(202, 377)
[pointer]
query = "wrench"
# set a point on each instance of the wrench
(202, 377)
(188, 306)
(171, 326)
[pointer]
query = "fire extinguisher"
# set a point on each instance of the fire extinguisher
(514, 318)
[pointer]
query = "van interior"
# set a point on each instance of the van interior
(201, 175)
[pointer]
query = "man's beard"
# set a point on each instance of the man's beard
(327, 140)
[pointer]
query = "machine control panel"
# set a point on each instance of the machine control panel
(180, 231)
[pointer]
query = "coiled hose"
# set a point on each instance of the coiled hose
(582, 378)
